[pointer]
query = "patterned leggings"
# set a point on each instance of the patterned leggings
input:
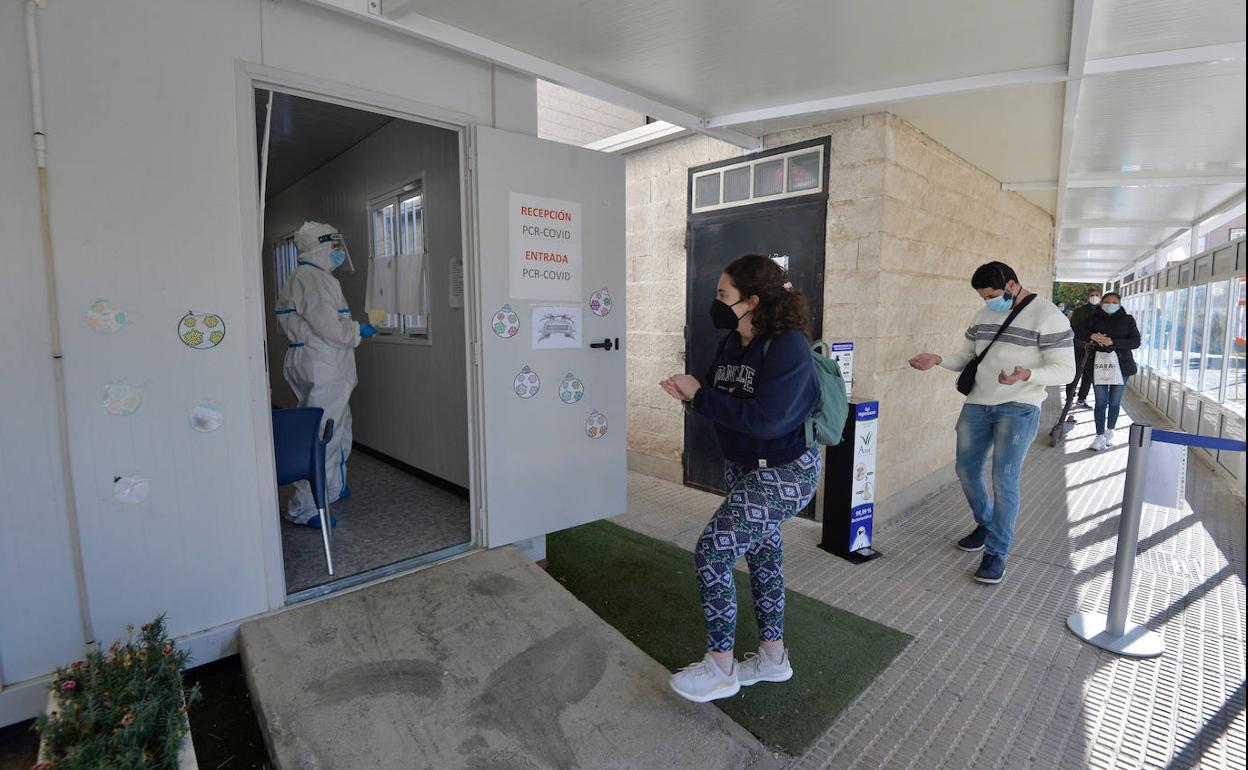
(747, 524)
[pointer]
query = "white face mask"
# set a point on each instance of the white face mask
(1095, 299)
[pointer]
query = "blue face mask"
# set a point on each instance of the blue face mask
(1110, 307)
(1000, 304)
(337, 257)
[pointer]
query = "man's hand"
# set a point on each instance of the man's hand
(1018, 375)
(682, 387)
(924, 361)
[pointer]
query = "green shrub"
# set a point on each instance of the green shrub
(120, 709)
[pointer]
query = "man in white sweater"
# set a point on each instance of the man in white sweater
(1002, 411)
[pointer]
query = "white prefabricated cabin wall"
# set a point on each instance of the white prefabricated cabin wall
(411, 402)
(146, 129)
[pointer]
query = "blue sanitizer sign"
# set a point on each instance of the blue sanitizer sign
(862, 503)
(860, 527)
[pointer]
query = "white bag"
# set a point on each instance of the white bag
(1106, 370)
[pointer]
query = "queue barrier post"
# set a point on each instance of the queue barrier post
(1114, 631)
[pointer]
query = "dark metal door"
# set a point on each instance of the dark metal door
(790, 230)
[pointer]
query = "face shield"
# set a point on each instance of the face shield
(339, 256)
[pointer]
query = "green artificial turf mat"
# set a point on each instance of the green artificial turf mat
(647, 590)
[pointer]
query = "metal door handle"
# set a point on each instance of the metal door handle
(606, 344)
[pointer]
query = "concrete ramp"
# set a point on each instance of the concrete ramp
(483, 662)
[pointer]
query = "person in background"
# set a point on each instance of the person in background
(1002, 411)
(1111, 328)
(758, 392)
(1078, 323)
(320, 362)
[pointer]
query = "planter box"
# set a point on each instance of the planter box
(186, 754)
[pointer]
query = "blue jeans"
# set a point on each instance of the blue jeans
(1108, 399)
(1005, 430)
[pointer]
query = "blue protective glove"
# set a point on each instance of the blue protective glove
(367, 330)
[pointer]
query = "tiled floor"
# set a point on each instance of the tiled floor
(390, 516)
(993, 679)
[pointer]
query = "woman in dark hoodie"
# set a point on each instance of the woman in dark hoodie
(1111, 329)
(759, 392)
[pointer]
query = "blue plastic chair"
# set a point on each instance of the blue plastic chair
(300, 456)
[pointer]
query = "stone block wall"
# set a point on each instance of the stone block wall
(657, 200)
(941, 218)
(908, 222)
(568, 116)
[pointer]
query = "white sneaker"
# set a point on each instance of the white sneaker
(1109, 436)
(758, 667)
(1099, 444)
(705, 681)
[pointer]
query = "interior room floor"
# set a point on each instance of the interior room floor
(390, 516)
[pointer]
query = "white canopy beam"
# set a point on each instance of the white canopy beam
(397, 17)
(1103, 246)
(1033, 76)
(1222, 207)
(1126, 179)
(1198, 55)
(639, 138)
(1126, 223)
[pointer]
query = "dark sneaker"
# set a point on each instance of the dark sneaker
(974, 541)
(991, 569)
(1082, 404)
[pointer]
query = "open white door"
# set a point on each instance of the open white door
(550, 251)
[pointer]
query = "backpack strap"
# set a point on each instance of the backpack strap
(809, 424)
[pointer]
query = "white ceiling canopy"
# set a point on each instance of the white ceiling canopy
(1086, 107)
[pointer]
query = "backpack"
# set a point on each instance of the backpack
(826, 424)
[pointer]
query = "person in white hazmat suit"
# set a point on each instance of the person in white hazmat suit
(320, 362)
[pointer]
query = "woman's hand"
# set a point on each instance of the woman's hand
(681, 387)
(1104, 340)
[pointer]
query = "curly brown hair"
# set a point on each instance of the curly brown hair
(780, 307)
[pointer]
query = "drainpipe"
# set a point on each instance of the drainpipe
(54, 319)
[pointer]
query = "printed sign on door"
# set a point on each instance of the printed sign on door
(545, 245)
(843, 354)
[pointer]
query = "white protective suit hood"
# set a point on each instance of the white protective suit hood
(315, 240)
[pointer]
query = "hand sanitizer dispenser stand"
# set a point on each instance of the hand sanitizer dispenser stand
(849, 486)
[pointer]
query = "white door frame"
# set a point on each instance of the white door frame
(248, 77)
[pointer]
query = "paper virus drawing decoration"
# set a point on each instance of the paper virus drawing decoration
(596, 425)
(600, 302)
(527, 383)
(104, 317)
(201, 331)
(571, 389)
(506, 322)
(557, 325)
(121, 399)
(131, 490)
(207, 417)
